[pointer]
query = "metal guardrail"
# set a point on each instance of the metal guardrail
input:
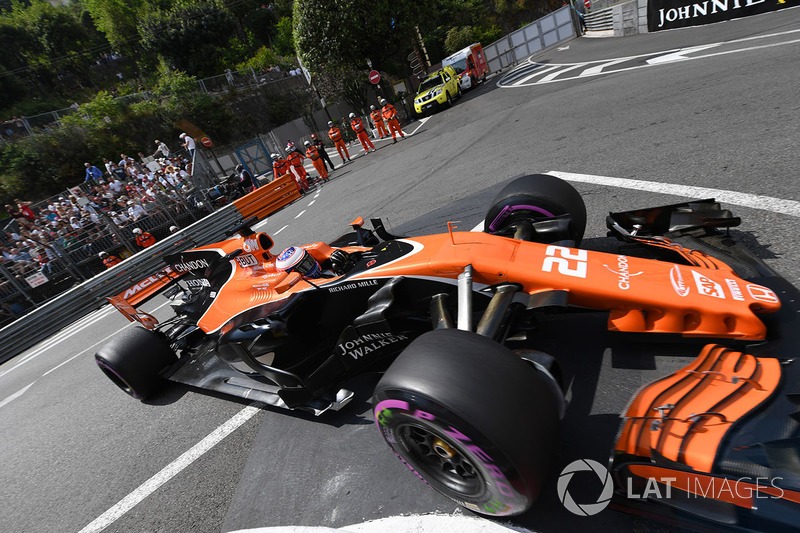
(543, 33)
(58, 313)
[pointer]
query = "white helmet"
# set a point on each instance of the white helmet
(182, 135)
(372, 107)
(137, 231)
(352, 115)
(330, 123)
(307, 143)
(383, 102)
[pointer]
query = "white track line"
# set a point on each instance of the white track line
(754, 201)
(61, 337)
(280, 230)
(298, 215)
(172, 469)
(15, 395)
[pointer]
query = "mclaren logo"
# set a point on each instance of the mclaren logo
(676, 278)
(186, 266)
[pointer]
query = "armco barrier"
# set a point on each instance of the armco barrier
(543, 33)
(269, 198)
(48, 319)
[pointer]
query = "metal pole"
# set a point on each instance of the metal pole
(15, 282)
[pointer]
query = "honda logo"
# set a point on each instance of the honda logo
(762, 294)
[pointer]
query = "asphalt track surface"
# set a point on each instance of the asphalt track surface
(79, 455)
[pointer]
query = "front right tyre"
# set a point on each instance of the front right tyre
(471, 419)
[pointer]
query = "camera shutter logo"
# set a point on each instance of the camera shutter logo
(586, 509)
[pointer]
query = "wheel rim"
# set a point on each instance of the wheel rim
(116, 378)
(441, 460)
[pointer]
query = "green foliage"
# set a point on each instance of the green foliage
(190, 36)
(284, 37)
(263, 58)
(353, 31)
(458, 38)
(118, 20)
(97, 113)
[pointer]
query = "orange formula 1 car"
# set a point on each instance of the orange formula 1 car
(467, 399)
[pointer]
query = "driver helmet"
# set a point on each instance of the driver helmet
(352, 115)
(296, 259)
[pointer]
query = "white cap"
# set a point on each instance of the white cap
(182, 135)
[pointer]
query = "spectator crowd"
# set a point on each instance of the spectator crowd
(116, 203)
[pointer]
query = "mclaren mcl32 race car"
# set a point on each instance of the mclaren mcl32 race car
(466, 398)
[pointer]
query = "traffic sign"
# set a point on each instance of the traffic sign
(205, 141)
(374, 77)
(587, 4)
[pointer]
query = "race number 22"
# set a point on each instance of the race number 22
(568, 261)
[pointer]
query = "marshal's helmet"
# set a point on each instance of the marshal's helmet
(352, 115)
(330, 123)
(296, 259)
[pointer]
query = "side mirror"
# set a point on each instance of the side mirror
(287, 282)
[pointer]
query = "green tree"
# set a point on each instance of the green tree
(354, 31)
(458, 38)
(191, 37)
(118, 20)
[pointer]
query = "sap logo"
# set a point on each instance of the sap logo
(707, 286)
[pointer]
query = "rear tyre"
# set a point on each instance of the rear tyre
(471, 419)
(449, 101)
(538, 197)
(133, 360)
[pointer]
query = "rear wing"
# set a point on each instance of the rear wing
(141, 292)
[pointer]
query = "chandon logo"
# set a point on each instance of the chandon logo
(191, 265)
(623, 272)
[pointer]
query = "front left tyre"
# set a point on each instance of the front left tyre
(471, 419)
(134, 359)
